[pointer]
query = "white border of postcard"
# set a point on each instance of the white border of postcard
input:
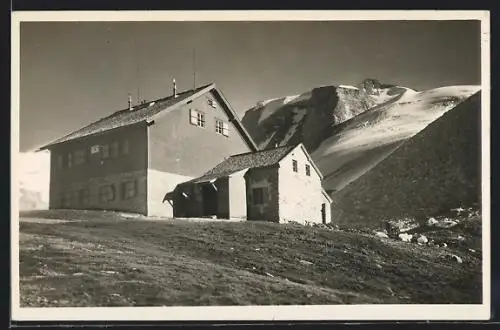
(256, 313)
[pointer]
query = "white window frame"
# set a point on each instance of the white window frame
(105, 151)
(79, 157)
(60, 161)
(84, 197)
(107, 193)
(129, 189)
(197, 118)
(114, 149)
(221, 127)
(125, 147)
(200, 117)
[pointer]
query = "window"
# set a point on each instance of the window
(94, 149)
(201, 119)
(125, 147)
(66, 199)
(75, 197)
(197, 118)
(221, 127)
(212, 103)
(129, 189)
(258, 196)
(84, 197)
(105, 151)
(60, 161)
(295, 166)
(114, 149)
(107, 193)
(79, 157)
(70, 160)
(308, 170)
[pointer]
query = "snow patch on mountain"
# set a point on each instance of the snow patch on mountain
(360, 143)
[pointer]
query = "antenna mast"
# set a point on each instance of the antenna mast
(194, 69)
(138, 77)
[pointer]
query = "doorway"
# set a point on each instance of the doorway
(323, 213)
(209, 195)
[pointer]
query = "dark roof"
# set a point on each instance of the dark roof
(235, 163)
(150, 110)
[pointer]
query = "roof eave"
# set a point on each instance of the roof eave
(55, 143)
(234, 118)
(311, 160)
(323, 191)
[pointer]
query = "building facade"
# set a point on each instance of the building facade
(279, 185)
(129, 161)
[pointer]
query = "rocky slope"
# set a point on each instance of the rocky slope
(348, 129)
(33, 174)
(357, 145)
(436, 170)
(309, 117)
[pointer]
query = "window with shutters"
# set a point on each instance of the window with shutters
(295, 166)
(79, 156)
(114, 149)
(70, 160)
(75, 197)
(308, 170)
(258, 196)
(105, 151)
(125, 147)
(106, 193)
(197, 118)
(84, 197)
(221, 127)
(129, 189)
(66, 199)
(200, 116)
(60, 161)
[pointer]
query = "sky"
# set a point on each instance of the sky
(73, 73)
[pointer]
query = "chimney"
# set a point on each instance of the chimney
(129, 102)
(175, 88)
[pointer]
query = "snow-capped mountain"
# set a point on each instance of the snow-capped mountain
(309, 117)
(350, 129)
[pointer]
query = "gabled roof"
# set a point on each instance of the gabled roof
(235, 163)
(151, 110)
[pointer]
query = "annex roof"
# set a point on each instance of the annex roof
(235, 163)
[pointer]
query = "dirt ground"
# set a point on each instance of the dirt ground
(106, 259)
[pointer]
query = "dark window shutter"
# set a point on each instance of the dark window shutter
(123, 186)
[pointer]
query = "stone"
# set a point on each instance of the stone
(422, 240)
(405, 237)
(305, 262)
(432, 222)
(446, 223)
(456, 258)
(381, 234)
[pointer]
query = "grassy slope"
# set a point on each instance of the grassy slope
(436, 170)
(214, 263)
